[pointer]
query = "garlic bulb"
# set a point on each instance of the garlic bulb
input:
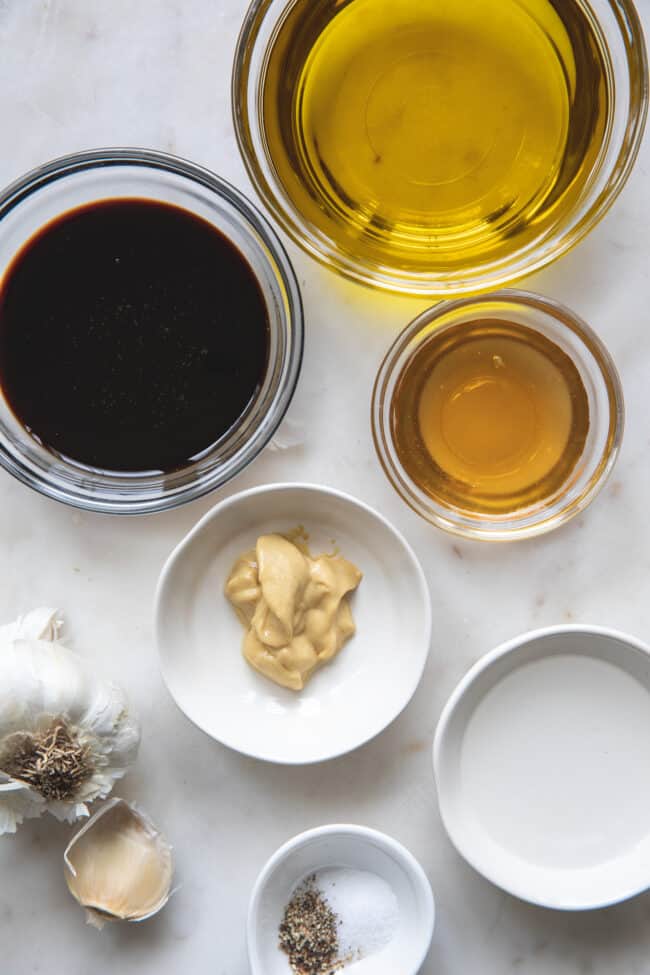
(65, 735)
(118, 866)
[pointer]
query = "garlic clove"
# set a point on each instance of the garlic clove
(118, 866)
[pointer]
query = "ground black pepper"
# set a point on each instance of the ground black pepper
(308, 932)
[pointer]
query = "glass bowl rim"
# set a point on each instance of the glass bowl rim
(280, 269)
(485, 528)
(566, 235)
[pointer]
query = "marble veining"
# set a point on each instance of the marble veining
(83, 73)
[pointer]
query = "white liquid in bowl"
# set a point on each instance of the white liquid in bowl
(545, 733)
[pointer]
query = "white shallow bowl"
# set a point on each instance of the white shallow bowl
(352, 847)
(541, 759)
(347, 702)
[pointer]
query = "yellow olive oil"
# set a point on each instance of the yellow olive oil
(435, 134)
(489, 417)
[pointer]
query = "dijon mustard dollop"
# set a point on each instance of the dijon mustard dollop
(293, 606)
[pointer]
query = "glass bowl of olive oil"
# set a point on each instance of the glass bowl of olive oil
(439, 147)
(498, 417)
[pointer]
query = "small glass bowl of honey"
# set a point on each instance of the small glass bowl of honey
(498, 417)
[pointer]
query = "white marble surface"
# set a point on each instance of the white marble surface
(82, 73)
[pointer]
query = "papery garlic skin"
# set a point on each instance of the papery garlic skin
(119, 866)
(42, 684)
(17, 803)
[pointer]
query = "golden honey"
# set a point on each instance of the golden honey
(489, 416)
(435, 134)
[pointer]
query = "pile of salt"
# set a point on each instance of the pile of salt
(366, 907)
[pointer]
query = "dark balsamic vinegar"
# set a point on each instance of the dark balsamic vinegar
(133, 336)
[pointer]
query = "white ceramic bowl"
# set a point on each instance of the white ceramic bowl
(541, 759)
(352, 847)
(351, 699)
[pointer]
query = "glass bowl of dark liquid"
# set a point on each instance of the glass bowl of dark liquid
(151, 331)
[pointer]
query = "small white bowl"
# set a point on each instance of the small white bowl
(541, 759)
(356, 848)
(347, 702)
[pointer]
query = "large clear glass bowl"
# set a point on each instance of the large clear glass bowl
(618, 28)
(69, 182)
(604, 396)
